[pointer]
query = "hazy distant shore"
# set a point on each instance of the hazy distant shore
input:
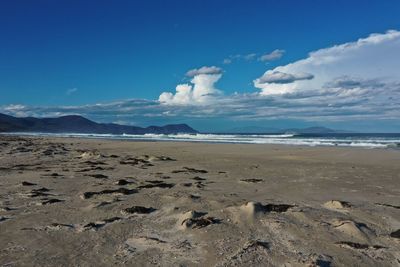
(86, 202)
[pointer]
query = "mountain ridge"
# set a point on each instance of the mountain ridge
(270, 130)
(79, 124)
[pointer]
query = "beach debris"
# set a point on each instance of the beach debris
(94, 154)
(395, 234)
(59, 226)
(158, 158)
(135, 161)
(7, 209)
(195, 220)
(255, 243)
(337, 204)
(388, 205)
(156, 183)
(94, 163)
(2, 218)
(138, 210)
(197, 223)
(40, 192)
(98, 176)
(51, 201)
(123, 182)
(119, 191)
(200, 185)
(252, 180)
(277, 207)
(252, 208)
(197, 178)
(97, 168)
(189, 170)
(100, 224)
(355, 245)
(25, 183)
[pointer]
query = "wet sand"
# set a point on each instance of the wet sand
(81, 202)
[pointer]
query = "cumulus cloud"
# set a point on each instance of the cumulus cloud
(201, 90)
(375, 56)
(274, 55)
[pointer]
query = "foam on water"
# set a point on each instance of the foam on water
(364, 140)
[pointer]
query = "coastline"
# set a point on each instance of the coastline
(294, 205)
(361, 140)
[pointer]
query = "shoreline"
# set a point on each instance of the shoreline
(138, 138)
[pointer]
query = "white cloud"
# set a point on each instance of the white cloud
(200, 91)
(246, 57)
(71, 91)
(283, 78)
(15, 109)
(204, 70)
(274, 55)
(357, 82)
(227, 61)
(374, 57)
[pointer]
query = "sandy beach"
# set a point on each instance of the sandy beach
(91, 202)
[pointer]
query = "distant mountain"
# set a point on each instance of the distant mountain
(253, 129)
(270, 130)
(313, 130)
(79, 124)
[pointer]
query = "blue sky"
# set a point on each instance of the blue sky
(97, 58)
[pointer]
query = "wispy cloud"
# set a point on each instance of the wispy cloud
(71, 91)
(274, 55)
(237, 57)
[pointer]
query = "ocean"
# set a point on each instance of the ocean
(367, 140)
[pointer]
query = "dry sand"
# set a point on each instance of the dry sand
(76, 202)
